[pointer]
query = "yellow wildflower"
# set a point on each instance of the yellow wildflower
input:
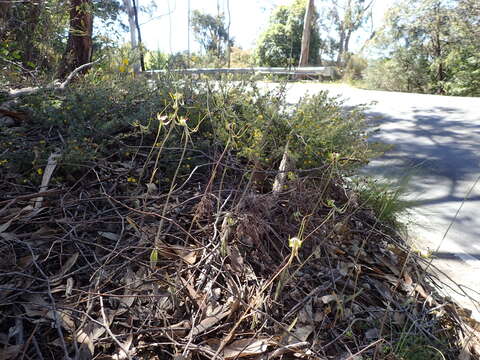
(40, 171)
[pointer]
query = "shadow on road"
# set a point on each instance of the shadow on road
(435, 149)
(439, 150)
(452, 256)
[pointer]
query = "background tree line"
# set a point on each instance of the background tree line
(43, 36)
(427, 46)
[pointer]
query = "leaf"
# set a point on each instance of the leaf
(127, 300)
(186, 254)
(372, 334)
(328, 298)
(35, 305)
(153, 258)
(302, 333)
(151, 188)
(245, 347)
(5, 226)
(218, 314)
(47, 175)
(109, 235)
(66, 266)
(82, 338)
(25, 261)
(236, 259)
(120, 355)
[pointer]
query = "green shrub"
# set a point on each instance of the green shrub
(463, 67)
(103, 116)
(354, 68)
(393, 75)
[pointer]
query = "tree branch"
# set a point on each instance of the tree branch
(55, 85)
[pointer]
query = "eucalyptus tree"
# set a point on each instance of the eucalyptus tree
(211, 32)
(52, 36)
(280, 43)
(348, 16)
(431, 46)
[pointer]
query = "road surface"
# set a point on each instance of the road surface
(437, 142)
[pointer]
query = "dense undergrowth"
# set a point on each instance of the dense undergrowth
(95, 119)
(196, 219)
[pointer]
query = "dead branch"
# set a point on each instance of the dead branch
(55, 85)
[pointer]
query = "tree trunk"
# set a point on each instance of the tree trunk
(142, 58)
(30, 28)
(79, 44)
(133, 31)
(341, 47)
(228, 34)
(4, 16)
(438, 49)
(346, 43)
(307, 29)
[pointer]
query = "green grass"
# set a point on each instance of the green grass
(386, 199)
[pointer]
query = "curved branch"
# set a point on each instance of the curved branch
(55, 85)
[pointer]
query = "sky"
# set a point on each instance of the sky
(167, 28)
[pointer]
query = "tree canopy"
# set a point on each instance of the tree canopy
(211, 32)
(280, 44)
(432, 46)
(35, 33)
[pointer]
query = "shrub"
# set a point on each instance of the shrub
(241, 58)
(394, 75)
(354, 68)
(101, 116)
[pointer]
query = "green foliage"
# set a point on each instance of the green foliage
(400, 73)
(280, 44)
(354, 68)
(156, 60)
(464, 70)
(433, 48)
(35, 33)
(385, 199)
(211, 32)
(102, 114)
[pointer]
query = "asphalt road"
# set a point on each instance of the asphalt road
(437, 144)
